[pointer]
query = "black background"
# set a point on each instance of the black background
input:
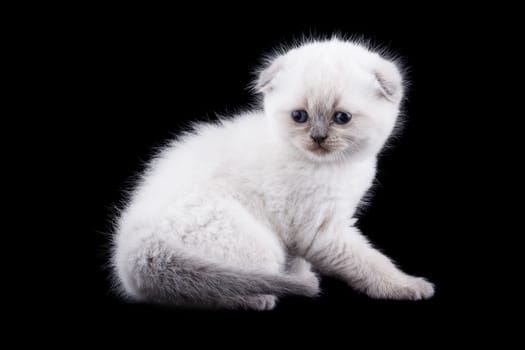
(130, 79)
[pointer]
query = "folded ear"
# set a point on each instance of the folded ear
(389, 81)
(266, 76)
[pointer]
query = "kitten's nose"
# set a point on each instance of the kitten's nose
(318, 138)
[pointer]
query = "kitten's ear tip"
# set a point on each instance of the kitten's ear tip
(390, 81)
(260, 84)
(266, 76)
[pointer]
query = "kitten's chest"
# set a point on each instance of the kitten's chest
(301, 199)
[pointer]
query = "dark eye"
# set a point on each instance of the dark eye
(342, 117)
(300, 116)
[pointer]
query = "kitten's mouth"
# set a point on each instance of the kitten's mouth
(318, 149)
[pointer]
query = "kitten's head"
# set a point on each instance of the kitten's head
(331, 99)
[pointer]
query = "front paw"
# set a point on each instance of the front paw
(408, 288)
(262, 302)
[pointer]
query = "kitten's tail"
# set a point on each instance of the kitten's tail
(166, 276)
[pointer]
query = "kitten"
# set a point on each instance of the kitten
(238, 213)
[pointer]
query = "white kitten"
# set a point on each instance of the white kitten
(236, 213)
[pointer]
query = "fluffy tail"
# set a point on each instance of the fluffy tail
(162, 275)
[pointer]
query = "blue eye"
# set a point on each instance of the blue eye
(300, 116)
(342, 117)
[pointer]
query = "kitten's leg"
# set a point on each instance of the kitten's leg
(219, 256)
(298, 266)
(349, 256)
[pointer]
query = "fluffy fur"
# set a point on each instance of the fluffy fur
(237, 213)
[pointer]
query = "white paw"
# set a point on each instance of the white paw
(410, 288)
(302, 270)
(311, 279)
(419, 288)
(262, 302)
